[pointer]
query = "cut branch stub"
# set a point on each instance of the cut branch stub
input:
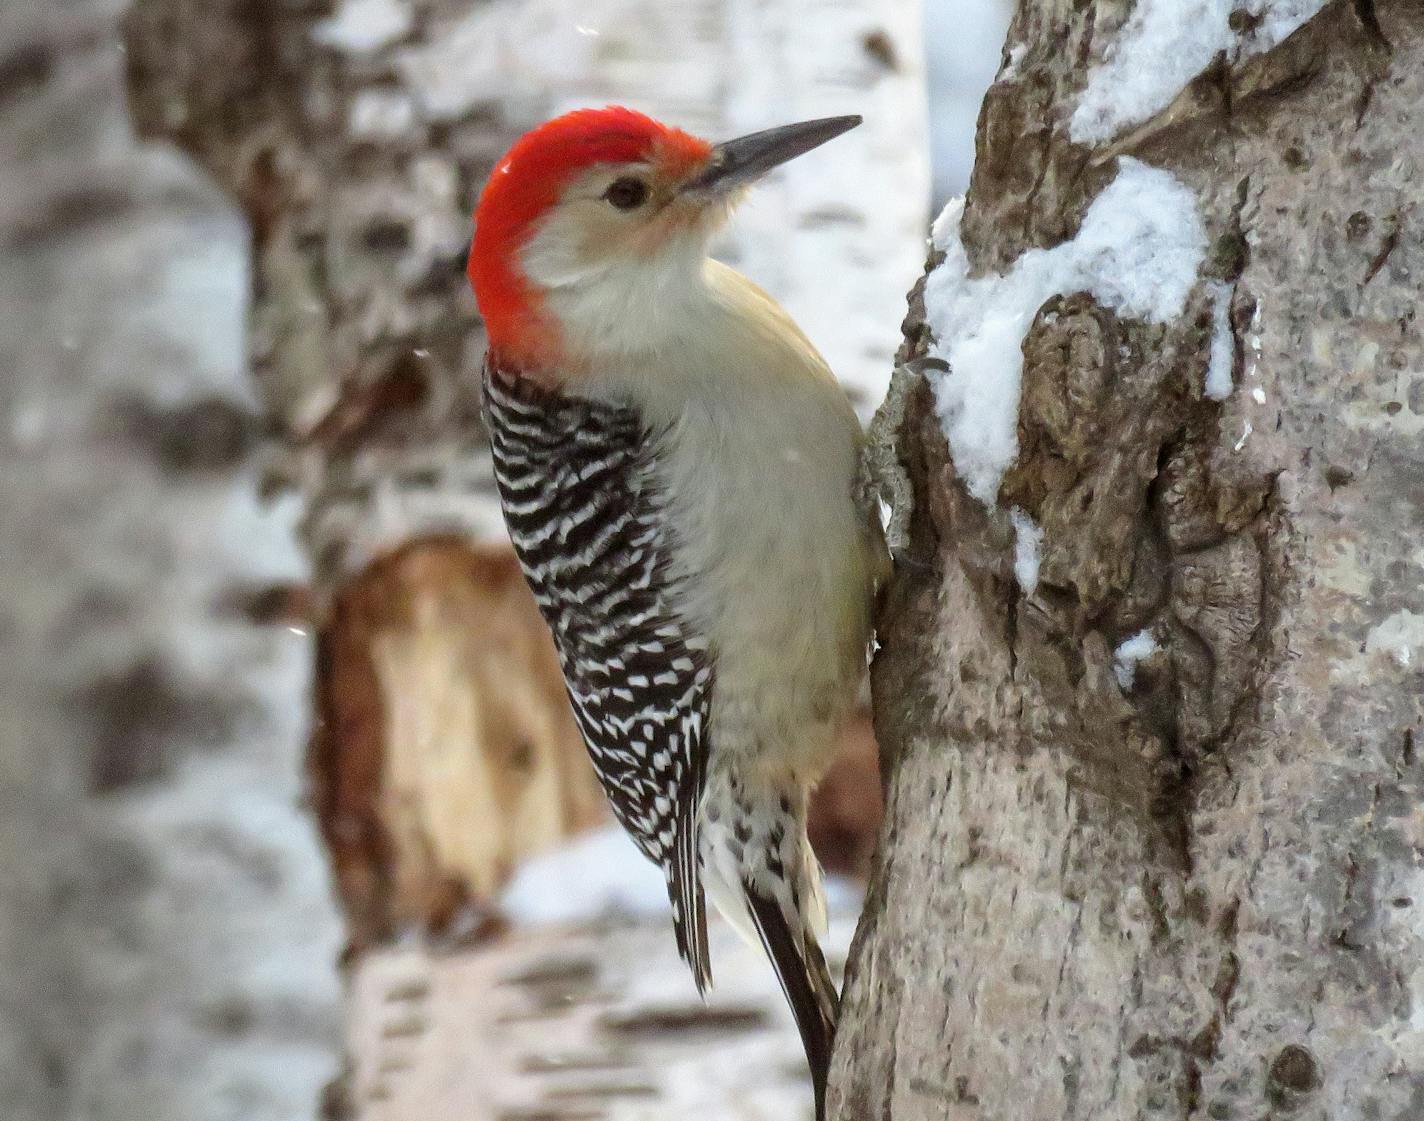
(444, 751)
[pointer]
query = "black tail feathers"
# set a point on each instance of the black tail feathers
(806, 982)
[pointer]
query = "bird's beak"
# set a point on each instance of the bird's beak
(739, 162)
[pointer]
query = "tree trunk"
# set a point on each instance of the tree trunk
(1154, 828)
(166, 936)
(442, 748)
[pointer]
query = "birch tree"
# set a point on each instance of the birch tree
(166, 936)
(1150, 684)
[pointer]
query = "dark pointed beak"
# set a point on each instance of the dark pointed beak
(741, 161)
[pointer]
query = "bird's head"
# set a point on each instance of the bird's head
(592, 214)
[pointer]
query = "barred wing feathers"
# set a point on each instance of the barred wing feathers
(575, 481)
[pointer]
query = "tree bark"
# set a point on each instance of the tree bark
(1194, 892)
(166, 938)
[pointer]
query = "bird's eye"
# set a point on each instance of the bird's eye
(627, 193)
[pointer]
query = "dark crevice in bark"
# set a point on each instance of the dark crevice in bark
(1160, 538)
(1388, 244)
(1192, 1090)
(1343, 935)
(1369, 20)
(1218, 76)
(1237, 316)
(1363, 103)
(1013, 600)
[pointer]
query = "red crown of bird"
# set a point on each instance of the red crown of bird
(530, 179)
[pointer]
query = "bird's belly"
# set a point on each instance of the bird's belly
(778, 580)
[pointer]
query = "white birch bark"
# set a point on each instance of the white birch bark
(166, 933)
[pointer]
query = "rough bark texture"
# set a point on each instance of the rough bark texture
(1199, 896)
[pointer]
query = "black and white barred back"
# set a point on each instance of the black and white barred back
(575, 481)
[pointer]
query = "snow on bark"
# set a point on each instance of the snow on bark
(1137, 252)
(1129, 653)
(1028, 539)
(1222, 354)
(1164, 45)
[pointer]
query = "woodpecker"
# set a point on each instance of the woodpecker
(677, 465)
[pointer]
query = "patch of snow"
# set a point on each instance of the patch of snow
(1222, 355)
(1138, 648)
(1028, 536)
(944, 230)
(1397, 636)
(1258, 395)
(598, 874)
(365, 26)
(1253, 342)
(1167, 43)
(602, 874)
(1015, 60)
(1279, 19)
(1136, 253)
(1245, 435)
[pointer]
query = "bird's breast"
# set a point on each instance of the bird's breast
(772, 558)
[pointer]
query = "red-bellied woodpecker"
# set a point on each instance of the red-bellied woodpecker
(677, 468)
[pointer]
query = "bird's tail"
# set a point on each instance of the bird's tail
(801, 969)
(760, 872)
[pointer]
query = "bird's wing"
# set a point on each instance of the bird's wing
(575, 481)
